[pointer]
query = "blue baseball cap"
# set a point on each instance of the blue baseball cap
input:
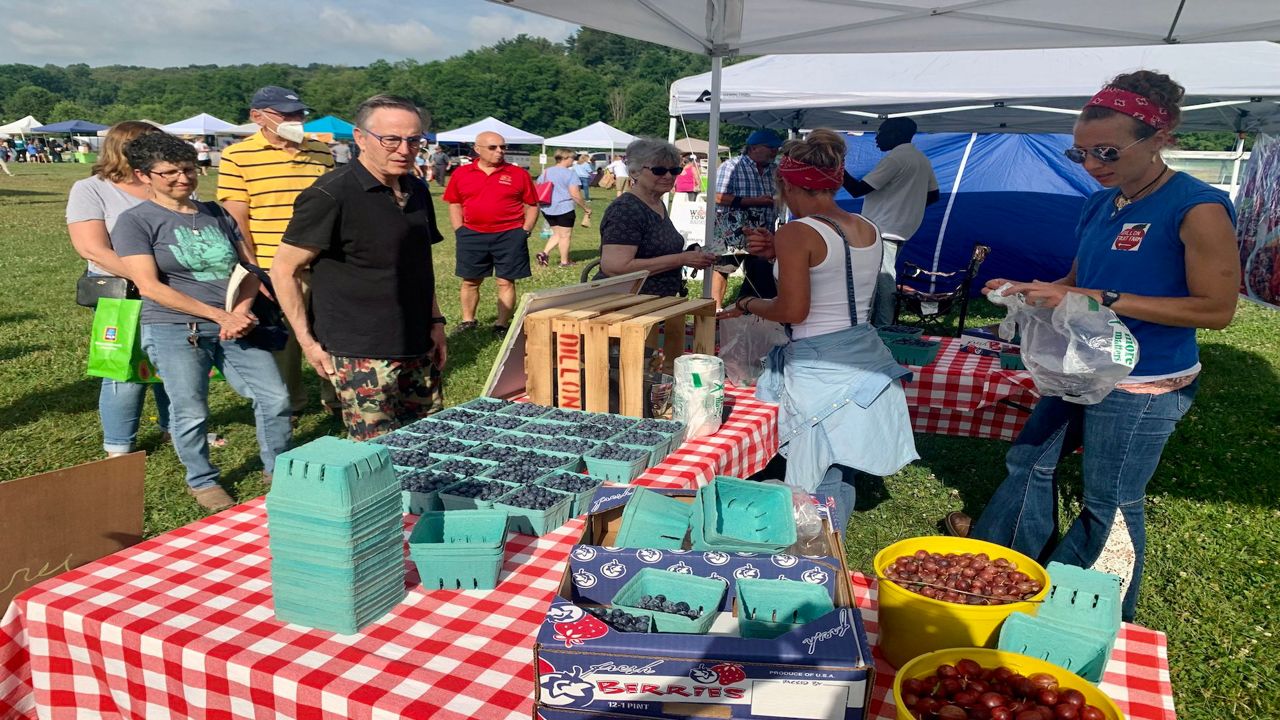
(766, 137)
(277, 98)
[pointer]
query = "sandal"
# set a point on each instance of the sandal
(467, 325)
(543, 259)
(501, 330)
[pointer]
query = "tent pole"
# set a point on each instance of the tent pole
(671, 130)
(713, 161)
(1235, 166)
(951, 201)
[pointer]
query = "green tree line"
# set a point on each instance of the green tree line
(535, 84)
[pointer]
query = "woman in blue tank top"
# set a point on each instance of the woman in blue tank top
(1159, 248)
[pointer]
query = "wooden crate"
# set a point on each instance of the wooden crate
(567, 348)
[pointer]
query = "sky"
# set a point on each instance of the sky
(176, 33)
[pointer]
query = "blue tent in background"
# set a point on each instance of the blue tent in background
(70, 126)
(1016, 193)
(339, 128)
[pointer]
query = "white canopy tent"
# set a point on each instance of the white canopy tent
(103, 133)
(246, 129)
(21, 127)
(202, 124)
(513, 135)
(599, 134)
(724, 28)
(1230, 86)
(696, 146)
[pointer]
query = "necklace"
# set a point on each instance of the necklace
(1123, 201)
(194, 230)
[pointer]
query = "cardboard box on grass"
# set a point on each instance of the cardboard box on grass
(822, 669)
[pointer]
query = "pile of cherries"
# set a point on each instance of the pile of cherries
(967, 691)
(967, 579)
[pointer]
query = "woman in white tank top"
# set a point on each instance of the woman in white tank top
(841, 407)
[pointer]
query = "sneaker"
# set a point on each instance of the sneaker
(543, 259)
(500, 330)
(466, 325)
(213, 498)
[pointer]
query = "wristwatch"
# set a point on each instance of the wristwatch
(1109, 297)
(439, 320)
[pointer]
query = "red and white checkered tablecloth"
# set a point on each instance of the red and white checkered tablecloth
(969, 395)
(182, 625)
(1136, 678)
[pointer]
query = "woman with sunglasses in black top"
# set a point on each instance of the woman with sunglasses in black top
(636, 232)
(1158, 247)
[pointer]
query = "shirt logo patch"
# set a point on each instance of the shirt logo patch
(109, 333)
(504, 179)
(1130, 237)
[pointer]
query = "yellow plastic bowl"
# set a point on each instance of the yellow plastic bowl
(912, 624)
(926, 665)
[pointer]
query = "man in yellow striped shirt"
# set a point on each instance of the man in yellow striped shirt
(258, 180)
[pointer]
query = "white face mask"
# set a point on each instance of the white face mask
(290, 131)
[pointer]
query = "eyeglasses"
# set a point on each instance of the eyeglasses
(172, 175)
(1104, 153)
(392, 142)
(660, 171)
(494, 147)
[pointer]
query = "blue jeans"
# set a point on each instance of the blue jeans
(837, 484)
(585, 184)
(185, 367)
(120, 409)
(1123, 437)
(886, 285)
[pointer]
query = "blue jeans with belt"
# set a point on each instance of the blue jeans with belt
(184, 354)
(1123, 437)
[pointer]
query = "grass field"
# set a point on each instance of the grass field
(1213, 566)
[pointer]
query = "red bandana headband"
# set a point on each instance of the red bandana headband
(1131, 104)
(809, 177)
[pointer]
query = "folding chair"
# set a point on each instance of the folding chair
(933, 295)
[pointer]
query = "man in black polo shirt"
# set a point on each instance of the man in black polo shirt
(373, 327)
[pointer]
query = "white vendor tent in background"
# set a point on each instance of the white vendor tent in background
(202, 124)
(246, 129)
(1230, 86)
(513, 135)
(598, 134)
(103, 133)
(724, 28)
(21, 127)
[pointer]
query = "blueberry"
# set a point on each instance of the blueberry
(525, 410)
(569, 416)
(591, 431)
(504, 422)
(429, 426)
(399, 439)
(478, 489)
(670, 427)
(617, 422)
(610, 451)
(412, 457)
(640, 437)
(487, 404)
(570, 482)
(475, 433)
(516, 472)
(444, 446)
(457, 466)
(533, 497)
(459, 415)
(427, 481)
(540, 428)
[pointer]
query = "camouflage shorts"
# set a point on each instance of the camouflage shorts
(379, 396)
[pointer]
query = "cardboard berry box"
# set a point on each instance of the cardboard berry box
(584, 668)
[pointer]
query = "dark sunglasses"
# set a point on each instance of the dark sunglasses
(494, 147)
(660, 171)
(1103, 153)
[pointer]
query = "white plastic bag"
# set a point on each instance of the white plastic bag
(1078, 351)
(698, 395)
(744, 343)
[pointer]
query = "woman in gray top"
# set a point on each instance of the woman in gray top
(92, 208)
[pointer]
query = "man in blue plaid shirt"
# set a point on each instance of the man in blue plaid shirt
(745, 192)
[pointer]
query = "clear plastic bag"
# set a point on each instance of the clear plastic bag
(744, 343)
(1078, 350)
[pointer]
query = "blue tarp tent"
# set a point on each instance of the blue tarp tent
(1017, 194)
(332, 124)
(81, 127)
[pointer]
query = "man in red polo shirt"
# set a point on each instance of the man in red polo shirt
(493, 208)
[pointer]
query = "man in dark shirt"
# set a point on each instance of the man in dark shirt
(373, 327)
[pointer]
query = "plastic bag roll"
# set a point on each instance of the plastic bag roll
(698, 396)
